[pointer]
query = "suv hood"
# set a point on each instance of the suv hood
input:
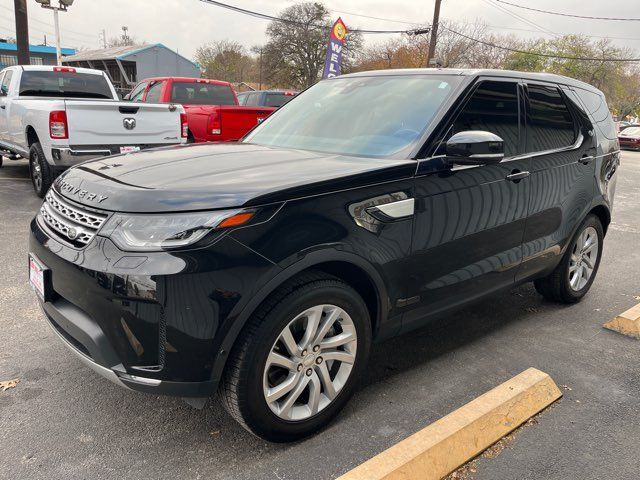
(215, 176)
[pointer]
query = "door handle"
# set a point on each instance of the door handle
(3, 107)
(517, 175)
(586, 159)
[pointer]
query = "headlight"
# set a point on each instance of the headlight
(164, 231)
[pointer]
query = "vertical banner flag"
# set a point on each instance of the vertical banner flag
(334, 51)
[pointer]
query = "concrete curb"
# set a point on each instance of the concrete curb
(627, 323)
(445, 445)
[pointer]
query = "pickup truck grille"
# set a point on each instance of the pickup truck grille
(72, 223)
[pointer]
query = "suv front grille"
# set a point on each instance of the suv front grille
(74, 224)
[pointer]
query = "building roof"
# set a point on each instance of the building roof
(116, 53)
(12, 47)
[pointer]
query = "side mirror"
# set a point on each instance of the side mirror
(127, 97)
(3, 92)
(475, 147)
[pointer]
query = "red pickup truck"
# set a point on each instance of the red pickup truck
(212, 108)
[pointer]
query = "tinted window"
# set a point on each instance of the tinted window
(550, 123)
(493, 108)
(370, 116)
(277, 99)
(252, 99)
(136, 93)
(242, 98)
(69, 84)
(193, 93)
(153, 94)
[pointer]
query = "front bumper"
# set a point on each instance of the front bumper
(70, 324)
(153, 322)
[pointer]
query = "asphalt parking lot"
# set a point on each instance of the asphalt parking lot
(63, 421)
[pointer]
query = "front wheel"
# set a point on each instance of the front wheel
(298, 360)
(573, 277)
(41, 175)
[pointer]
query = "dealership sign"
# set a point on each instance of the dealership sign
(334, 51)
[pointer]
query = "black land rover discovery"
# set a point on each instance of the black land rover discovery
(368, 205)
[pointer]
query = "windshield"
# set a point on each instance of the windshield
(192, 93)
(631, 131)
(66, 84)
(372, 116)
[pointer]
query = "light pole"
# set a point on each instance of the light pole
(62, 6)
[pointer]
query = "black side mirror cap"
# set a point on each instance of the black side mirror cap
(475, 147)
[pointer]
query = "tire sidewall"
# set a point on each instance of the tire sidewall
(36, 149)
(257, 412)
(568, 292)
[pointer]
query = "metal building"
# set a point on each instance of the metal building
(129, 64)
(39, 54)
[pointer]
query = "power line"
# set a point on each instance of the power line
(265, 16)
(586, 17)
(406, 22)
(521, 18)
(539, 54)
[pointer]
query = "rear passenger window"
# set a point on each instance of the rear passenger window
(493, 107)
(550, 124)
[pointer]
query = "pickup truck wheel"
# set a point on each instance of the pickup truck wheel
(41, 176)
(299, 358)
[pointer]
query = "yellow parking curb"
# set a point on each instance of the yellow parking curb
(627, 323)
(445, 445)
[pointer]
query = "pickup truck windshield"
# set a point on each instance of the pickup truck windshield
(193, 93)
(35, 83)
(372, 116)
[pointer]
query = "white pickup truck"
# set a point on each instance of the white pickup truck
(59, 116)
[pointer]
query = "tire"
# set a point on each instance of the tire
(248, 377)
(41, 174)
(562, 285)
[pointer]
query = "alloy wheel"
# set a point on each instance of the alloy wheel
(583, 259)
(36, 171)
(310, 362)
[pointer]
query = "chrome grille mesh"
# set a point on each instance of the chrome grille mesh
(72, 223)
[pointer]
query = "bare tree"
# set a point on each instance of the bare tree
(295, 52)
(226, 60)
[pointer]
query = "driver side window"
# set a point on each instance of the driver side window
(493, 107)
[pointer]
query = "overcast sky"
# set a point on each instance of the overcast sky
(184, 25)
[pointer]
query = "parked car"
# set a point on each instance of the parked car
(627, 125)
(629, 138)
(266, 98)
(59, 116)
(213, 112)
(374, 203)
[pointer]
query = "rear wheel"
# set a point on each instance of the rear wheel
(573, 277)
(41, 174)
(298, 360)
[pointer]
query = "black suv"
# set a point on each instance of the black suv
(368, 205)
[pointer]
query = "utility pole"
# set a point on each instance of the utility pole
(434, 32)
(62, 6)
(104, 39)
(22, 31)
